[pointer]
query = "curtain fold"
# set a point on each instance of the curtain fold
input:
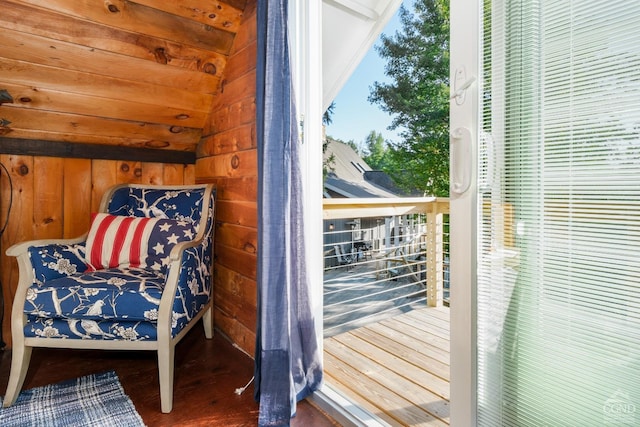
(288, 364)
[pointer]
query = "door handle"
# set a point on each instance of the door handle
(460, 147)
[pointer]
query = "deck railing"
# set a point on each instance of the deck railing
(383, 256)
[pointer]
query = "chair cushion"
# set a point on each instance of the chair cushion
(128, 294)
(179, 204)
(39, 327)
(124, 241)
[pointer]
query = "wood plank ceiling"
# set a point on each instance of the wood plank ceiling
(140, 73)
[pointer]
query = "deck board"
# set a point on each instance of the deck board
(397, 368)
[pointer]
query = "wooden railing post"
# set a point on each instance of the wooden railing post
(435, 239)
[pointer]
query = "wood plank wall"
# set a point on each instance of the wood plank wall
(227, 156)
(52, 197)
(131, 73)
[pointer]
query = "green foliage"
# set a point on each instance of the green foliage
(327, 163)
(327, 116)
(418, 97)
(376, 151)
(351, 143)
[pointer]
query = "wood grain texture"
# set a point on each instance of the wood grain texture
(119, 72)
(133, 74)
(142, 19)
(18, 202)
(242, 137)
(43, 98)
(108, 88)
(77, 197)
(47, 209)
(207, 373)
(87, 151)
(56, 126)
(227, 156)
(241, 238)
(243, 189)
(217, 14)
(54, 197)
(52, 25)
(394, 369)
(229, 165)
(47, 51)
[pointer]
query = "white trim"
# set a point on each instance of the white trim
(465, 55)
(356, 8)
(343, 410)
(305, 27)
(333, 87)
(306, 36)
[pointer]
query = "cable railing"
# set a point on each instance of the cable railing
(383, 257)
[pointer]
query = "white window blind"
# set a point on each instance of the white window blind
(559, 217)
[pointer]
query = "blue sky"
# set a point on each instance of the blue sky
(354, 117)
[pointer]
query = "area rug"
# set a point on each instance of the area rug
(94, 400)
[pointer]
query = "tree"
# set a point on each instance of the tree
(376, 151)
(327, 116)
(327, 163)
(418, 96)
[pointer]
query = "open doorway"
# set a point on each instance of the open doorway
(386, 248)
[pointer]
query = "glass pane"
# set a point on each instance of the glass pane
(559, 228)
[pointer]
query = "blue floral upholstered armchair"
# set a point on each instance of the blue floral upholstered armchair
(138, 280)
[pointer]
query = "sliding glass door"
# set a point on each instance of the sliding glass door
(556, 207)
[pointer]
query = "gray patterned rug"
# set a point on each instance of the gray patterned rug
(94, 400)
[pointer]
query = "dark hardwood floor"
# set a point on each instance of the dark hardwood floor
(207, 373)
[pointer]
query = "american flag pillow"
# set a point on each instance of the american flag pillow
(123, 241)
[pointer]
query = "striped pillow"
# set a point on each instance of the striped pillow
(124, 241)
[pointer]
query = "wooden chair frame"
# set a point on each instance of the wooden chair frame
(165, 343)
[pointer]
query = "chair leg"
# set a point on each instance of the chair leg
(165, 374)
(207, 320)
(20, 357)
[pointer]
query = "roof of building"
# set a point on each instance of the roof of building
(352, 177)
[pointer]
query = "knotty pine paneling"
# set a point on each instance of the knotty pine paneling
(47, 209)
(238, 237)
(128, 46)
(76, 187)
(214, 13)
(54, 197)
(227, 156)
(137, 18)
(229, 165)
(243, 189)
(229, 116)
(236, 306)
(68, 127)
(120, 72)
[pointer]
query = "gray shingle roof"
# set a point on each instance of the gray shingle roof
(348, 176)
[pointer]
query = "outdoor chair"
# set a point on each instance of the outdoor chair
(138, 280)
(341, 257)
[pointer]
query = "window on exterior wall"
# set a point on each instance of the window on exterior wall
(558, 300)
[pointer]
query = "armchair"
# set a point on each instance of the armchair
(138, 280)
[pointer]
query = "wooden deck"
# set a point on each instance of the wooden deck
(397, 369)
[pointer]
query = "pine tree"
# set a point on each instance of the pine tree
(418, 97)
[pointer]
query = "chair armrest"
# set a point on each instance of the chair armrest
(187, 286)
(22, 247)
(41, 260)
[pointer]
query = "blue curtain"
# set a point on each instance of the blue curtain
(288, 363)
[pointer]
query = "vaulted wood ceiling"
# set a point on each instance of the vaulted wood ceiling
(140, 73)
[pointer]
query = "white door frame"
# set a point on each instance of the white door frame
(305, 29)
(306, 35)
(464, 114)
